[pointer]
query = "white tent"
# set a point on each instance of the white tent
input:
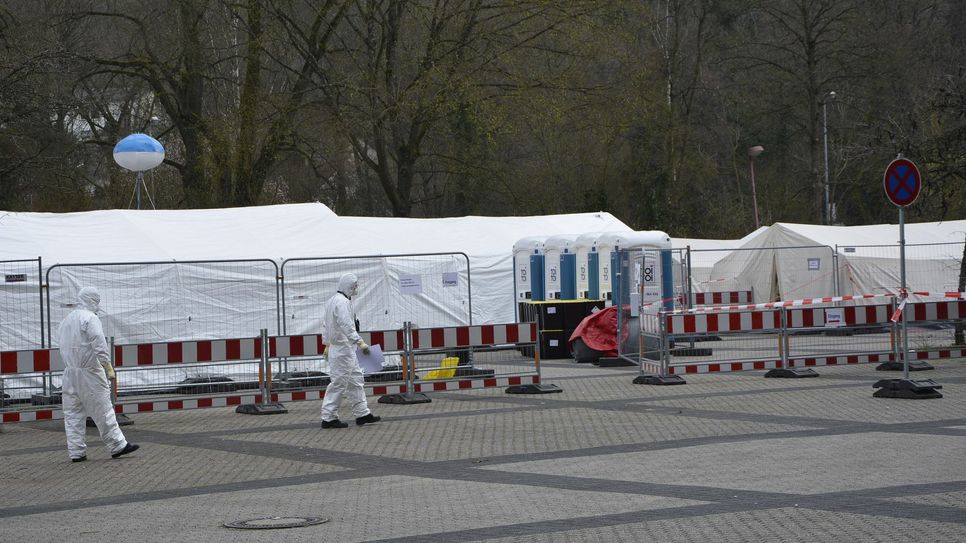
(705, 253)
(792, 261)
(274, 233)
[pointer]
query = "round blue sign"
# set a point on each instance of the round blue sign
(902, 182)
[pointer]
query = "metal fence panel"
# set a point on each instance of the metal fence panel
(429, 290)
(169, 301)
(874, 269)
(21, 305)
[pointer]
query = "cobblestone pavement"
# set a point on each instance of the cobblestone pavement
(727, 457)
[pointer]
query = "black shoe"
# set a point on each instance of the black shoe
(334, 424)
(368, 419)
(128, 449)
(79, 459)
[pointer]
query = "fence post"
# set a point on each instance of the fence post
(409, 396)
(665, 377)
(266, 406)
(784, 345)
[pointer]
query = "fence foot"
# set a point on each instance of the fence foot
(533, 389)
(405, 398)
(909, 389)
(659, 380)
(791, 373)
(613, 362)
(261, 409)
(914, 365)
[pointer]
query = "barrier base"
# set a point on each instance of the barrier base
(122, 420)
(613, 362)
(909, 389)
(791, 373)
(405, 398)
(659, 380)
(273, 408)
(533, 389)
(688, 351)
(45, 399)
(914, 365)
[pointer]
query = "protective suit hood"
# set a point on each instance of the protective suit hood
(89, 299)
(348, 284)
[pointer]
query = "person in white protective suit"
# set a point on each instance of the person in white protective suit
(341, 339)
(85, 387)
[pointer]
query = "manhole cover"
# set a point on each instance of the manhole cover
(272, 523)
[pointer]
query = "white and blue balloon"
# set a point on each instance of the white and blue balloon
(139, 153)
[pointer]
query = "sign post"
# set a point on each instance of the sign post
(902, 183)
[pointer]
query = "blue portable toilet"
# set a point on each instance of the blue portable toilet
(528, 266)
(610, 243)
(560, 268)
(587, 266)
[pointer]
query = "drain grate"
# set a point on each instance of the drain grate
(274, 523)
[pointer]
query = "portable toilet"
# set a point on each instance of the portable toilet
(588, 273)
(560, 268)
(528, 263)
(605, 246)
(608, 245)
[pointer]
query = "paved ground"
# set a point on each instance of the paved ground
(727, 457)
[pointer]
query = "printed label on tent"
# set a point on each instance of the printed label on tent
(814, 264)
(835, 316)
(15, 277)
(410, 284)
(451, 279)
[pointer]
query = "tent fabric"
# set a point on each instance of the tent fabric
(705, 253)
(277, 233)
(794, 261)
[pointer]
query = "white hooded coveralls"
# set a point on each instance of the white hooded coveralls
(85, 388)
(339, 333)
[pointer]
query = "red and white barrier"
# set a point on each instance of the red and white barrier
(702, 323)
(474, 336)
(186, 352)
(30, 361)
(718, 298)
(937, 311)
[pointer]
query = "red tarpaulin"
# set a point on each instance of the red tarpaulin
(598, 331)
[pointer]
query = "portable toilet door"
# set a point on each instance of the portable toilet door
(560, 264)
(587, 282)
(528, 269)
(606, 243)
(656, 240)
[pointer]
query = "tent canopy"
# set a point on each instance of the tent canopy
(279, 233)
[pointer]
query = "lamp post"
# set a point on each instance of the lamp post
(827, 206)
(752, 153)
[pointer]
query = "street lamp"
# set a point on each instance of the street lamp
(752, 153)
(827, 206)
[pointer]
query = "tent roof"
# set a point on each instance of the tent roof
(277, 232)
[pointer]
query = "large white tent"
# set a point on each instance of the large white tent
(276, 233)
(705, 253)
(792, 261)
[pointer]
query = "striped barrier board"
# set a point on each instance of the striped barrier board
(133, 406)
(718, 298)
(802, 362)
(852, 316)
(186, 352)
(699, 323)
(30, 361)
(933, 311)
(474, 336)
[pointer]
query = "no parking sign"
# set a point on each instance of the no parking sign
(902, 182)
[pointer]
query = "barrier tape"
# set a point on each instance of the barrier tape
(779, 304)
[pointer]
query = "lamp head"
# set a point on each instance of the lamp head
(755, 151)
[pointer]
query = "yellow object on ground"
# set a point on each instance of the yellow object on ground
(448, 362)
